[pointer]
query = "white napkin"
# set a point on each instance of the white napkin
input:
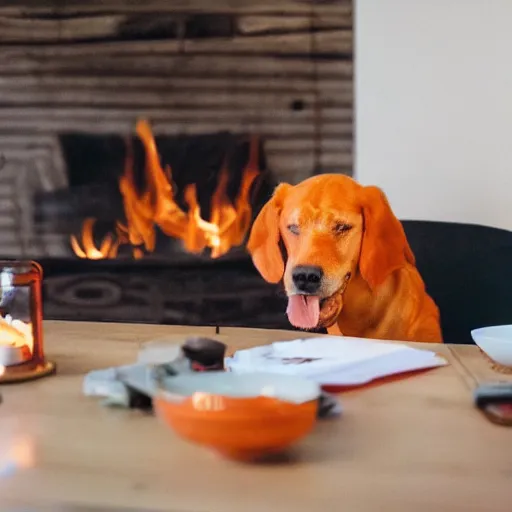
(335, 361)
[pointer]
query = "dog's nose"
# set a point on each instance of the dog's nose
(307, 278)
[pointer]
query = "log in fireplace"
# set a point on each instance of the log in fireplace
(140, 139)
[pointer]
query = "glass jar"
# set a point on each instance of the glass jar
(21, 329)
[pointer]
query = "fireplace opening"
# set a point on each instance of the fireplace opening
(156, 227)
(163, 197)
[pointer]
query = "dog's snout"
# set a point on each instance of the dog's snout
(307, 278)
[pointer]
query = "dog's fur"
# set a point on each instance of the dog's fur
(370, 287)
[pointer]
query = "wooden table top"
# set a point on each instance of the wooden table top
(414, 444)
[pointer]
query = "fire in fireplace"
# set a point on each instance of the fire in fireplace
(156, 207)
(157, 233)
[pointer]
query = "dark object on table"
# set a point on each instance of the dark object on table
(139, 400)
(495, 401)
(328, 405)
(204, 354)
(467, 271)
(496, 393)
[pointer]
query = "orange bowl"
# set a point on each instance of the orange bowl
(224, 412)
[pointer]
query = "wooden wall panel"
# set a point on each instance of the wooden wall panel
(280, 68)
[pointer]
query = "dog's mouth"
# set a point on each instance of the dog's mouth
(311, 311)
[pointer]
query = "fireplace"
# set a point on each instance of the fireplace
(139, 140)
(167, 198)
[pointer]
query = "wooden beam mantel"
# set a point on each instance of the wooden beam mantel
(82, 7)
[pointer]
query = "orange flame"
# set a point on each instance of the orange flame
(156, 207)
(107, 249)
(16, 333)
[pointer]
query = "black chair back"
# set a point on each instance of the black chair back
(467, 270)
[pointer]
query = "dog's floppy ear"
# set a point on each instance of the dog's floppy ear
(263, 243)
(385, 247)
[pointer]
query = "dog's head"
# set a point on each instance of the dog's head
(333, 229)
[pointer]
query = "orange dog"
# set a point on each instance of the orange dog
(349, 266)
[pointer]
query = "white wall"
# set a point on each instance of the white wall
(434, 107)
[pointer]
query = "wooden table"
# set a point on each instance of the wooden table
(412, 445)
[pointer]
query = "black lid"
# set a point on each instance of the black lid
(204, 351)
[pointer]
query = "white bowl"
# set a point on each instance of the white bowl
(289, 388)
(496, 342)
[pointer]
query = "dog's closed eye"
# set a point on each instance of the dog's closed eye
(293, 228)
(342, 227)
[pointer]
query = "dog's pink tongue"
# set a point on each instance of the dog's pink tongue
(303, 311)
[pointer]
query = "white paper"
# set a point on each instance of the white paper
(333, 360)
